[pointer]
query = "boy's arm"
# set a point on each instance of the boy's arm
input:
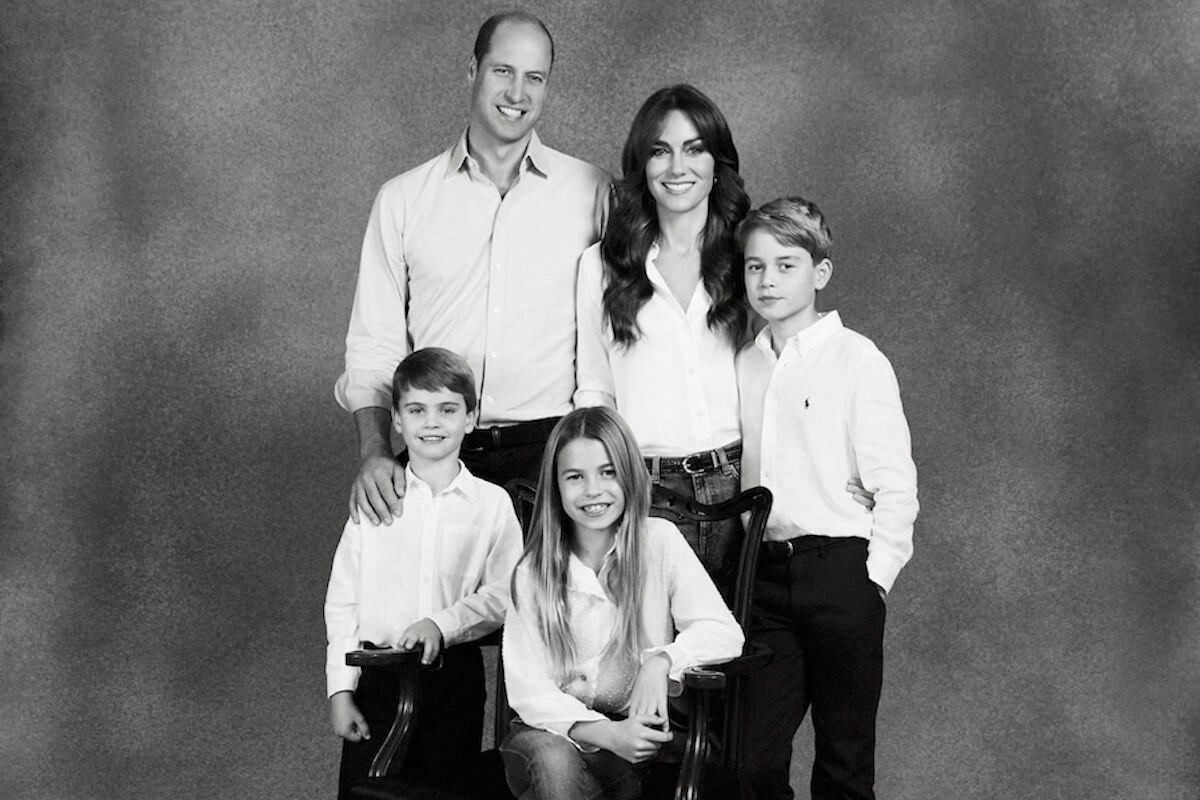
(483, 610)
(883, 450)
(341, 612)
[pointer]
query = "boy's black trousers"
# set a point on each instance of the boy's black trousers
(823, 618)
(449, 727)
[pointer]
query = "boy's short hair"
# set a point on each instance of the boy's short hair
(794, 222)
(434, 369)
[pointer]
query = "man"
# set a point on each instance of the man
(476, 250)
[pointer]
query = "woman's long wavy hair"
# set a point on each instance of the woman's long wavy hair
(548, 546)
(633, 219)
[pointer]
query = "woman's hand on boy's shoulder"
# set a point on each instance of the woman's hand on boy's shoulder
(860, 494)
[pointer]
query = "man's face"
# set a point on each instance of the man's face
(508, 88)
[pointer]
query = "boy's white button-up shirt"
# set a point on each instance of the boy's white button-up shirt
(675, 386)
(448, 557)
(825, 411)
(678, 595)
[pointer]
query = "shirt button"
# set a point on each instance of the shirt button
(495, 309)
(489, 398)
(493, 355)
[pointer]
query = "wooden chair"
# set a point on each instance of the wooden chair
(711, 752)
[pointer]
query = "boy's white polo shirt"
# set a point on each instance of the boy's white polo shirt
(825, 411)
(449, 557)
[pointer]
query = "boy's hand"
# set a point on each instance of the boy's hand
(348, 721)
(649, 697)
(423, 633)
(378, 490)
(859, 493)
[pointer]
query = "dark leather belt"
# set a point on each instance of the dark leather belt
(782, 551)
(522, 433)
(697, 463)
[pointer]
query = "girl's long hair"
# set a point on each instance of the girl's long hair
(633, 219)
(548, 548)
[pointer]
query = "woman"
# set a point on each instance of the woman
(661, 307)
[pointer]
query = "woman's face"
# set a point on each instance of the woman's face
(680, 170)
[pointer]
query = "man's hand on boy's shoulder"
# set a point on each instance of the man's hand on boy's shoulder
(425, 634)
(348, 722)
(378, 490)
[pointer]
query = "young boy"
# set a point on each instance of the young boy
(436, 578)
(819, 406)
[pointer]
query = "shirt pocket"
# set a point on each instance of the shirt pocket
(461, 551)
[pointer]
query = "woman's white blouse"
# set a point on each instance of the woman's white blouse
(676, 385)
(678, 595)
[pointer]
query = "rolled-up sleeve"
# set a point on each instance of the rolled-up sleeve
(377, 337)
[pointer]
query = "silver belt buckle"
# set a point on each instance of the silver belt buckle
(688, 469)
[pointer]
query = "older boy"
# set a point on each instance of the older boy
(820, 406)
(433, 578)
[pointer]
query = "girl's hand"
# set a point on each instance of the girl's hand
(637, 738)
(649, 696)
(348, 721)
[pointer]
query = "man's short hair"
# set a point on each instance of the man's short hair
(794, 222)
(434, 369)
(483, 40)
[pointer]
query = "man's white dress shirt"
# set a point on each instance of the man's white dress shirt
(447, 262)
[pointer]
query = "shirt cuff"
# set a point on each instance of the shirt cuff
(883, 570)
(342, 678)
(586, 398)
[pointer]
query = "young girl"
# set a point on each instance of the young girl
(590, 651)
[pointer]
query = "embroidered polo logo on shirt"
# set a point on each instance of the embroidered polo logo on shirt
(806, 402)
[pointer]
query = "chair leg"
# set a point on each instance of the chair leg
(396, 744)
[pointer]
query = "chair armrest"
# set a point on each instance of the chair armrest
(711, 677)
(382, 658)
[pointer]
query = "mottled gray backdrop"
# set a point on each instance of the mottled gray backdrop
(1015, 192)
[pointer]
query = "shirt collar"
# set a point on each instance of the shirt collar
(537, 156)
(464, 483)
(806, 340)
(580, 577)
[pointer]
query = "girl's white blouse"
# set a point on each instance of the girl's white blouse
(678, 595)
